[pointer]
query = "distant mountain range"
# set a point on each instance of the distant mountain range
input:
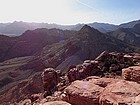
(17, 28)
(128, 35)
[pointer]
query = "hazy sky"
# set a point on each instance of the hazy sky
(69, 11)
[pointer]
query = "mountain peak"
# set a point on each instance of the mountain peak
(86, 28)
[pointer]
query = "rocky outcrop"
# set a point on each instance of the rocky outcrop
(102, 91)
(121, 93)
(119, 60)
(131, 73)
(50, 78)
(87, 91)
(83, 70)
(105, 63)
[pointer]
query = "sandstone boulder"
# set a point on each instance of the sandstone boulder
(131, 73)
(83, 93)
(102, 91)
(121, 93)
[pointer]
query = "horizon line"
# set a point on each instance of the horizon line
(69, 24)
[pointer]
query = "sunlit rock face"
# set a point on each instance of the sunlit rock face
(121, 93)
(83, 93)
(102, 91)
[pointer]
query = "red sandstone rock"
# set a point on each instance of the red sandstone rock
(121, 93)
(83, 93)
(131, 73)
(102, 91)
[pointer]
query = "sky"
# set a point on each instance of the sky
(70, 11)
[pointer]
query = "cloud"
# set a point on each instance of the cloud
(85, 4)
